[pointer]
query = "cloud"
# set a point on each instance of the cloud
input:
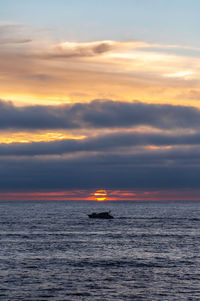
(191, 94)
(114, 142)
(70, 49)
(82, 49)
(108, 160)
(98, 114)
(98, 69)
(12, 34)
(168, 170)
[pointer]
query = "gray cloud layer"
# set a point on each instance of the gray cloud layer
(107, 160)
(167, 170)
(102, 143)
(98, 114)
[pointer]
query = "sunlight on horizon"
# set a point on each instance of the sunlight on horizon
(101, 195)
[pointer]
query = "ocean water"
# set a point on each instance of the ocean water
(53, 251)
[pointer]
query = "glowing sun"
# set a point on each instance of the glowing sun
(101, 195)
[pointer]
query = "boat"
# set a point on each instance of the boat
(105, 215)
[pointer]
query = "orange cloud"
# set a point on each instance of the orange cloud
(47, 73)
(28, 137)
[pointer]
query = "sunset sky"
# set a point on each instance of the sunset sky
(100, 99)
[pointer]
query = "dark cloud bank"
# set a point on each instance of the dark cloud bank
(119, 160)
(98, 114)
(148, 172)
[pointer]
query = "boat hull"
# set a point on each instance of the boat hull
(101, 215)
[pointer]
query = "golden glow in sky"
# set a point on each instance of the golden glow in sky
(28, 137)
(67, 72)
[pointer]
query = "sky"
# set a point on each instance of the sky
(99, 100)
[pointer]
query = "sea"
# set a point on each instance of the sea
(51, 250)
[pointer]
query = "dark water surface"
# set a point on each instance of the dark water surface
(53, 251)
